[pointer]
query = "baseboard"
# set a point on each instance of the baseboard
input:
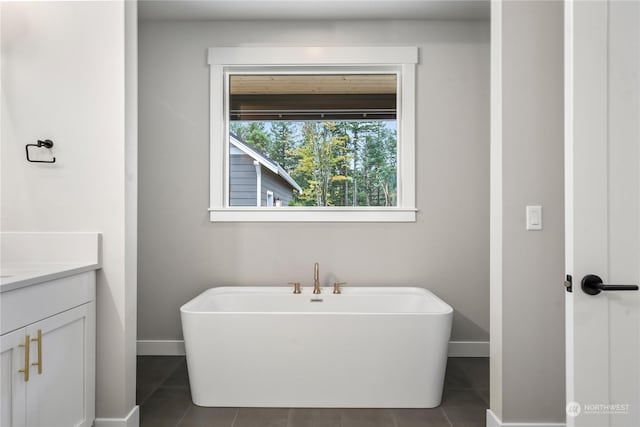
(131, 420)
(176, 348)
(468, 348)
(494, 421)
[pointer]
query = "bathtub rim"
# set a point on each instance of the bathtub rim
(351, 290)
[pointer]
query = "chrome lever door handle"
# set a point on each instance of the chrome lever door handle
(592, 285)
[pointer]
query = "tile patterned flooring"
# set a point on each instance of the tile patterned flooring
(164, 399)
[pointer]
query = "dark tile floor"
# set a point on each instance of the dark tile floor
(164, 399)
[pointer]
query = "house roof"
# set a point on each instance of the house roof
(263, 160)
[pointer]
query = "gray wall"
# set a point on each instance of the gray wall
(181, 253)
(527, 293)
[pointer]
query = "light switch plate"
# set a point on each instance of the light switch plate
(534, 218)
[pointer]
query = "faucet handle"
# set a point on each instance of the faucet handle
(336, 287)
(296, 287)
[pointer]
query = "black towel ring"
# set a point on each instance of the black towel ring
(47, 143)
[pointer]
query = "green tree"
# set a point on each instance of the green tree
(359, 135)
(253, 133)
(380, 165)
(283, 144)
(322, 157)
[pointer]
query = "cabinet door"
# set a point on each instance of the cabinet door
(62, 393)
(12, 382)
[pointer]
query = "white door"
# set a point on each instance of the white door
(602, 113)
(12, 381)
(61, 370)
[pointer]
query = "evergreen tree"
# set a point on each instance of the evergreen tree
(380, 167)
(253, 133)
(283, 144)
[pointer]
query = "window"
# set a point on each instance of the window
(329, 132)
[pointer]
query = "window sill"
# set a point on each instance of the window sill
(307, 214)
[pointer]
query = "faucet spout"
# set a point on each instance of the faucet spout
(316, 278)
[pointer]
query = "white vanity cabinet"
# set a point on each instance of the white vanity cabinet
(48, 353)
(12, 387)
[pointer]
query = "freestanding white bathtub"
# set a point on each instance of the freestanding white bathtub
(364, 348)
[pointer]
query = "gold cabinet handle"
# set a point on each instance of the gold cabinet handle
(39, 341)
(26, 345)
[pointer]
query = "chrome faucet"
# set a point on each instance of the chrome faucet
(316, 278)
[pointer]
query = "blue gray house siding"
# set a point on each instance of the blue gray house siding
(242, 183)
(281, 189)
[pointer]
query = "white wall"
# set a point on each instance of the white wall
(63, 78)
(181, 253)
(527, 293)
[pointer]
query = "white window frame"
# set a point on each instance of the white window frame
(224, 61)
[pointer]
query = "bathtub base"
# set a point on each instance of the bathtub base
(346, 363)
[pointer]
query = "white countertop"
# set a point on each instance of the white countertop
(18, 275)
